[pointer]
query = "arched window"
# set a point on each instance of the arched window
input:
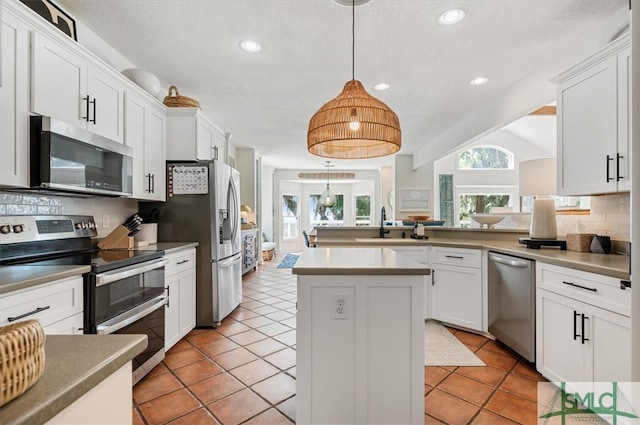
(485, 158)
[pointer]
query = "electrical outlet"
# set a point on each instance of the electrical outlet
(105, 221)
(341, 306)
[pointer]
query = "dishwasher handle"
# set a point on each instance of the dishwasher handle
(513, 262)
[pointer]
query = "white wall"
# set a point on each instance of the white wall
(408, 178)
(267, 194)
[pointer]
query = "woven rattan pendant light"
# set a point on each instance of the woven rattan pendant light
(354, 125)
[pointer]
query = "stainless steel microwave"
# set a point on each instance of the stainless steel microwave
(70, 159)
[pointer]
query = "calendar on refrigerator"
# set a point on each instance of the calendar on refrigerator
(188, 180)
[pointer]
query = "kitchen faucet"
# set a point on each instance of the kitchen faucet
(383, 217)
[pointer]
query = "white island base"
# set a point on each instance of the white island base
(360, 337)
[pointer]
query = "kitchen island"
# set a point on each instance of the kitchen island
(360, 337)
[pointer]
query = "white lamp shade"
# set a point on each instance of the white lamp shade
(537, 177)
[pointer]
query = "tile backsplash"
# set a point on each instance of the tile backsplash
(109, 211)
(610, 215)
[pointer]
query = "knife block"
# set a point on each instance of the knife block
(118, 239)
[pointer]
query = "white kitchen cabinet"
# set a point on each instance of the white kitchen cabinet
(67, 86)
(583, 326)
(421, 255)
(145, 133)
(594, 105)
(180, 281)
(57, 305)
(14, 100)
(191, 136)
(457, 294)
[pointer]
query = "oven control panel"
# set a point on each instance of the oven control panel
(23, 228)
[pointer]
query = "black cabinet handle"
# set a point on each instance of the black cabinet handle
(168, 297)
(618, 176)
(575, 285)
(148, 189)
(37, 310)
(182, 262)
(94, 111)
(624, 284)
(575, 325)
(583, 337)
(609, 159)
(433, 277)
(86, 118)
(153, 183)
(457, 257)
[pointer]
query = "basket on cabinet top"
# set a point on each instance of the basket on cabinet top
(178, 101)
(21, 358)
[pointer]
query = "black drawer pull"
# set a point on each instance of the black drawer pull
(579, 286)
(583, 337)
(457, 257)
(37, 310)
(182, 262)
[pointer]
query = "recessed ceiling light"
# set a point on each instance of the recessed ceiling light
(478, 81)
(452, 16)
(250, 46)
(381, 86)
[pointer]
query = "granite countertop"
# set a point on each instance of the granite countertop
(74, 365)
(168, 247)
(363, 261)
(613, 265)
(13, 278)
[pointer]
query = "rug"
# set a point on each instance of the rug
(288, 261)
(443, 349)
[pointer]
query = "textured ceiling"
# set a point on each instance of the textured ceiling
(266, 99)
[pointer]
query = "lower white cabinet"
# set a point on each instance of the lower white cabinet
(421, 255)
(57, 305)
(457, 287)
(180, 281)
(577, 340)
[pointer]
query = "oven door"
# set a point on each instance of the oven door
(146, 319)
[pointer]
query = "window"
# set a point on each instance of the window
(472, 204)
(323, 216)
(290, 222)
(363, 210)
(485, 158)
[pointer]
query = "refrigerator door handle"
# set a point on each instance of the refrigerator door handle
(228, 262)
(233, 209)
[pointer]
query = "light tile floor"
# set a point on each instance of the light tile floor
(244, 371)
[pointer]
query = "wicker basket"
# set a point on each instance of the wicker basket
(580, 242)
(178, 101)
(21, 358)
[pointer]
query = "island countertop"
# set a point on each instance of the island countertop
(359, 261)
(74, 365)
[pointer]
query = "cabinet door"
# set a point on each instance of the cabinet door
(134, 137)
(106, 109)
(587, 130)
(456, 294)
(421, 255)
(59, 81)
(204, 139)
(187, 319)
(14, 102)
(609, 345)
(623, 161)
(172, 312)
(69, 326)
(560, 354)
(154, 156)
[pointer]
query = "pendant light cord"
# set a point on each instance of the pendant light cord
(353, 39)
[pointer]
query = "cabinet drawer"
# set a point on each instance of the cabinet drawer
(55, 301)
(456, 256)
(180, 261)
(598, 290)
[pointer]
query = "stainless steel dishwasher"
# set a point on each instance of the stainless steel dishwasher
(512, 303)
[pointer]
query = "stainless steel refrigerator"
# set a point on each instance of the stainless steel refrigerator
(203, 205)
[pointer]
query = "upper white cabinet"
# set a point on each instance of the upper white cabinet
(594, 106)
(192, 137)
(145, 133)
(65, 85)
(583, 326)
(14, 100)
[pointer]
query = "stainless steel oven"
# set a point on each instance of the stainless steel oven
(130, 300)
